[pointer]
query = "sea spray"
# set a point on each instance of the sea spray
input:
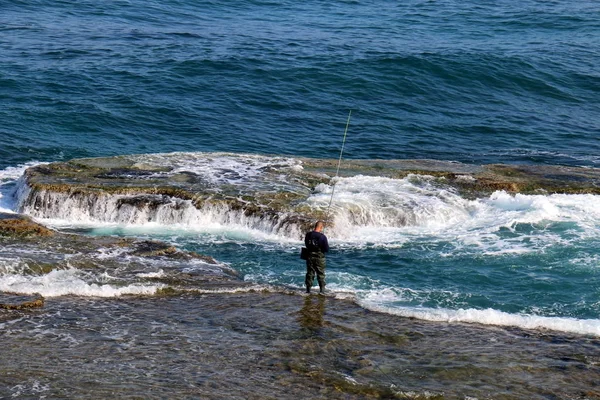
(69, 282)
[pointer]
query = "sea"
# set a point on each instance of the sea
(247, 83)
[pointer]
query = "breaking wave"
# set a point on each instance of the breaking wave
(69, 282)
(365, 209)
(493, 317)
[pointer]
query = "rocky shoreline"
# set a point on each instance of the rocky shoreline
(278, 195)
(265, 345)
(313, 346)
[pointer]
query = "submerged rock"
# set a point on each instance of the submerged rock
(153, 248)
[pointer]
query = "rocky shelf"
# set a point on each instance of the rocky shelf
(142, 188)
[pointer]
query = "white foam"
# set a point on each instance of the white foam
(8, 178)
(389, 212)
(29, 387)
(389, 300)
(157, 274)
(493, 317)
(11, 174)
(385, 210)
(223, 168)
(108, 211)
(69, 282)
(12, 266)
(234, 290)
(108, 253)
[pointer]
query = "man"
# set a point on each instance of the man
(317, 246)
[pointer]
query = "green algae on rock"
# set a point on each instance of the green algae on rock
(15, 301)
(16, 225)
(154, 248)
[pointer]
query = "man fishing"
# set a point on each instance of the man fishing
(317, 245)
(316, 241)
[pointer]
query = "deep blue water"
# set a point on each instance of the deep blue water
(481, 82)
(471, 81)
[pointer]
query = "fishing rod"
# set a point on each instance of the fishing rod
(338, 167)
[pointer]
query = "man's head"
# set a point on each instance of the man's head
(319, 226)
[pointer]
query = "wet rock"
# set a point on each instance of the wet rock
(119, 173)
(15, 225)
(40, 268)
(168, 291)
(153, 248)
(152, 202)
(12, 301)
(107, 256)
(142, 188)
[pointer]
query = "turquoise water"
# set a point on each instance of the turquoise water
(475, 82)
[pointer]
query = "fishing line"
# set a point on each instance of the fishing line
(338, 167)
(337, 172)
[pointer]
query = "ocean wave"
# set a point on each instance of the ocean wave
(365, 210)
(8, 178)
(71, 281)
(384, 210)
(493, 317)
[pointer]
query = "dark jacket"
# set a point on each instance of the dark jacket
(316, 242)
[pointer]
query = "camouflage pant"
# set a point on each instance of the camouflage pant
(315, 265)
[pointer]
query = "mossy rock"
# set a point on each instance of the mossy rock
(14, 225)
(153, 248)
(168, 292)
(38, 268)
(13, 301)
